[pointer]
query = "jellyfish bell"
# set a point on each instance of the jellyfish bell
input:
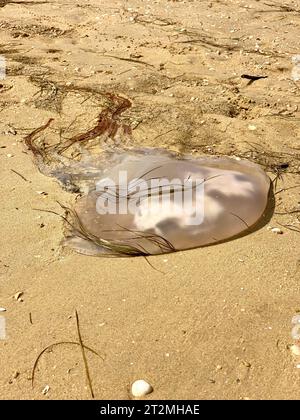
(152, 202)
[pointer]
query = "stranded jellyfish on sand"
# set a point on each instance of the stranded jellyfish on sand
(151, 201)
(195, 202)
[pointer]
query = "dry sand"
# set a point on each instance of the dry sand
(217, 323)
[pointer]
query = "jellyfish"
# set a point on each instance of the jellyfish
(147, 201)
(151, 202)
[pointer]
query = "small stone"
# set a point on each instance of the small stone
(140, 388)
(2, 310)
(252, 127)
(277, 230)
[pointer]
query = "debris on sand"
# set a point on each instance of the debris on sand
(140, 388)
(295, 348)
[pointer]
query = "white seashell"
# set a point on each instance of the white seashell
(140, 388)
(2, 310)
(252, 127)
(295, 349)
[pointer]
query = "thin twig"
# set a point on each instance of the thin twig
(130, 60)
(84, 356)
(20, 175)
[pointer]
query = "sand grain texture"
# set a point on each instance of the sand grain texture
(217, 323)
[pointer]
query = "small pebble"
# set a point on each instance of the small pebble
(2, 310)
(140, 388)
(277, 230)
(252, 127)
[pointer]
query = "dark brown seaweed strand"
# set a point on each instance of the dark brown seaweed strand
(30, 139)
(242, 220)
(160, 192)
(152, 191)
(54, 345)
(151, 235)
(115, 248)
(107, 122)
(86, 366)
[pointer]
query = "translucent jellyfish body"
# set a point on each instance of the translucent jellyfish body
(152, 202)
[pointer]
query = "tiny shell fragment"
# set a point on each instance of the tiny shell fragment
(277, 230)
(46, 390)
(18, 296)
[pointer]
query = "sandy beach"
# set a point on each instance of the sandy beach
(209, 323)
